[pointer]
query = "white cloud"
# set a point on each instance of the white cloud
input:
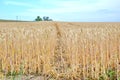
(76, 6)
(65, 7)
(16, 3)
(72, 9)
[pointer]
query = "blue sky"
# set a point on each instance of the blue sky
(62, 10)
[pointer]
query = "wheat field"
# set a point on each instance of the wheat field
(61, 50)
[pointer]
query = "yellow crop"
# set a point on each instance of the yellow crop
(59, 49)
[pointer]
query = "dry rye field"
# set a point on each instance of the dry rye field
(59, 51)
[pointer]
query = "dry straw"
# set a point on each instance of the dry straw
(70, 51)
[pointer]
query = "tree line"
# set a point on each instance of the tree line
(45, 18)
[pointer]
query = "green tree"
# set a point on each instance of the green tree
(38, 18)
(46, 18)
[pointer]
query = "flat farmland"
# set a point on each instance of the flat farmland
(60, 50)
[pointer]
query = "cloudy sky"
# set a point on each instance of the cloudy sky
(62, 10)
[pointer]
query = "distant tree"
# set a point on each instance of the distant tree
(50, 20)
(38, 18)
(46, 18)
